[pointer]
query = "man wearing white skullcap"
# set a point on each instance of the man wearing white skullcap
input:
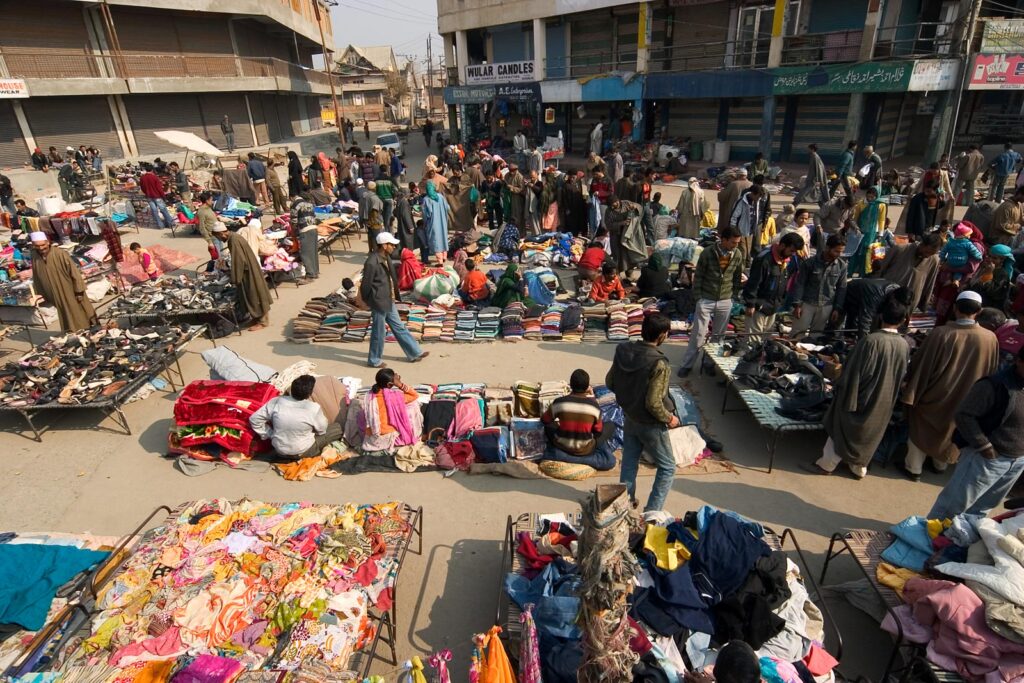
(56, 278)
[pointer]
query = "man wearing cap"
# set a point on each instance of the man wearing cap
(58, 280)
(379, 289)
(247, 277)
(951, 359)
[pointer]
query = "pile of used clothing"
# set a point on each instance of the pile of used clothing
(212, 420)
(706, 579)
(181, 294)
(224, 588)
(87, 366)
(775, 366)
(962, 584)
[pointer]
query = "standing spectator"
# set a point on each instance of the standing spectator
(366, 129)
(314, 174)
(716, 280)
(616, 220)
(435, 220)
(819, 289)
(386, 191)
(206, 221)
(816, 183)
(276, 189)
(869, 215)
(834, 217)
(519, 146)
(7, 196)
(616, 168)
(746, 218)
(873, 176)
(58, 280)
(146, 261)
(990, 422)
(691, 208)
(406, 224)
(969, 165)
(379, 290)
(428, 132)
(923, 212)
(1006, 220)
(228, 129)
(914, 266)
(729, 195)
(951, 359)
(602, 189)
(295, 183)
(844, 171)
(182, 186)
(1002, 166)
(153, 189)
(765, 289)
(247, 276)
(517, 188)
(370, 203)
(639, 376)
(864, 396)
(367, 168)
(303, 222)
(397, 168)
(535, 161)
(258, 174)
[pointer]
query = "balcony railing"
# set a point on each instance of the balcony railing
(709, 56)
(822, 48)
(927, 39)
(60, 65)
(590, 64)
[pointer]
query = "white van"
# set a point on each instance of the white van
(391, 141)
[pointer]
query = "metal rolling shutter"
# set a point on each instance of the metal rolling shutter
(259, 119)
(214, 106)
(890, 117)
(908, 104)
(313, 108)
(284, 120)
(149, 113)
(292, 103)
(41, 27)
(744, 128)
(820, 119)
(13, 150)
(697, 119)
(72, 121)
(269, 108)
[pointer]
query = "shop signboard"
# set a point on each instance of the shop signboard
(501, 72)
(842, 78)
(468, 94)
(1002, 36)
(930, 75)
(997, 72)
(518, 91)
(13, 88)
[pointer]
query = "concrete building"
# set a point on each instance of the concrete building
(363, 73)
(110, 74)
(763, 75)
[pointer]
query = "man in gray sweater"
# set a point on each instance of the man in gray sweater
(991, 421)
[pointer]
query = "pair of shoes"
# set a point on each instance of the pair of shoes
(683, 372)
(930, 464)
(910, 475)
(420, 357)
(378, 366)
(815, 468)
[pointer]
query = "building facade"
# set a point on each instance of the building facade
(764, 75)
(363, 74)
(111, 74)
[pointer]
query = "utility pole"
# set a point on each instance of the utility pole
(430, 81)
(329, 66)
(965, 67)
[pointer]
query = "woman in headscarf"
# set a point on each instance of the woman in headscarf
(574, 205)
(510, 288)
(946, 285)
(549, 202)
(654, 278)
(327, 167)
(995, 277)
(314, 174)
(869, 215)
(691, 207)
(435, 220)
(409, 270)
(295, 184)
(391, 414)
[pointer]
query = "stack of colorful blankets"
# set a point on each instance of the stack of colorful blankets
(212, 420)
(465, 324)
(487, 323)
(432, 324)
(532, 321)
(551, 322)
(512, 321)
(358, 326)
(618, 326)
(634, 320)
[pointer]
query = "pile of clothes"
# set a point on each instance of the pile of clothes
(322, 319)
(705, 579)
(224, 588)
(212, 420)
(775, 366)
(180, 294)
(87, 366)
(552, 248)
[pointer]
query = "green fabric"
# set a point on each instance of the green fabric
(868, 224)
(509, 288)
(431, 190)
(31, 574)
(1007, 253)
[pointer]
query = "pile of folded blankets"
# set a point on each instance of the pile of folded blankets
(487, 323)
(212, 420)
(358, 326)
(618, 325)
(181, 294)
(322, 319)
(465, 324)
(88, 366)
(512, 321)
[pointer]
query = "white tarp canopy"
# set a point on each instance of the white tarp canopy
(188, 141)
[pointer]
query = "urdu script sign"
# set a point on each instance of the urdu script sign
(840, 78)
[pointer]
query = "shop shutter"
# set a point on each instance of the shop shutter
(820, 119)
(149, 113)
(580, 138)
(268, 105)
(292, 103)
(41, 27)
(259, 119)
(908, 104)
(744, 128)
(313, 107)
(696, 119)
(13, 150)
(73, 121)
(214, 106)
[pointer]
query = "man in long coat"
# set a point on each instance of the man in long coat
(816, 184)
(247, 276)
(864, 396)
(517, 188)
(729, 195)
(691, 207)
(58, 280)
(952, 358)
(914, 266)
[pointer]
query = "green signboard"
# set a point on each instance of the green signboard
(842, 78)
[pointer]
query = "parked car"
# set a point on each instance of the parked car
(391, 141)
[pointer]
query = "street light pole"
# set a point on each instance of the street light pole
(965, 65)
(328, 64)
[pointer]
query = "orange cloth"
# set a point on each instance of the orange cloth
(307, 468)
(475, 285)
(602, 290)
(155, 672)
(382, 411)
(497, 668)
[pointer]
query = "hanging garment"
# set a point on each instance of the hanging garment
(529, 649)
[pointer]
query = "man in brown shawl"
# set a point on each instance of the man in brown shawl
(952, 358)
(864, 396)
(247, 276)
(729, 195)
(58, 280)
(914, 266)
(517, 188)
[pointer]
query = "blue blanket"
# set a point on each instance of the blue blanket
(30, 576)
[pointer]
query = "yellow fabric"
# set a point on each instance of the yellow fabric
(937, 526)
(668, 555)
(708, 219)
(497, 668)
(416, 675)
(768, 231)
(895, 577)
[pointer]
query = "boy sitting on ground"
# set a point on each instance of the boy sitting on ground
(608, 287)
(573, 425)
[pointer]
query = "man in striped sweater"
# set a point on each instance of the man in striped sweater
(573, 425)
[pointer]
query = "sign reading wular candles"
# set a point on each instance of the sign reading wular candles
(501, 72)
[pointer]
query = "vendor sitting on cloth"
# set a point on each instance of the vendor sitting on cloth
(573, 425)
(297, 427)
(608, 287)
(474, 288)
(389, 421)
